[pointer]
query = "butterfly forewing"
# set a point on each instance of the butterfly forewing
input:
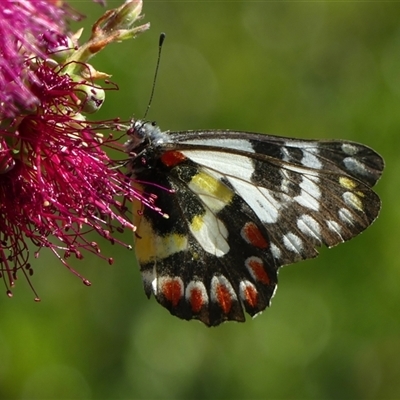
(241, 205)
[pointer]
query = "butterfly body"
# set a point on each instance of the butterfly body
(239, 206)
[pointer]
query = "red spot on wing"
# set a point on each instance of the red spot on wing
(250, 295)
(251, 234)
(256, 266)
(172, 158)
(172, 289)
(196, 300)
(224, 298)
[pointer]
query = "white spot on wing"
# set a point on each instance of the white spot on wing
(276, 251)
(149, 278)
(211, 233)
(346, 216)
(285, 154)
(310, 194)
(334, 227)
(285, 184)
(259, 200)
(352, 200)
(292, 242)
(235, 144)
(310, 159)
(227, 164)
(349, 149)
(355, 166)
(309, 226)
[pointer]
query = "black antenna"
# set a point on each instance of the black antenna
(160, 44)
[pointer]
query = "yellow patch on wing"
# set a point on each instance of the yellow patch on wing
(197, 222)
(212, 192)
(347, 183)
(149, 246)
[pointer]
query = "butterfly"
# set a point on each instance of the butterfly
(232, 207)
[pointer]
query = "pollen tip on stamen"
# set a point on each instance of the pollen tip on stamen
(166, 216)
(110, 261)
(129, 247)
(37, 299)
(96, 247)
(86, 282)
(9, 293)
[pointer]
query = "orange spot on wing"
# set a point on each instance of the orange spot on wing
(172, 290)
(258, 270)
(252, 235)
(172, 158)
(196, 300)
(251, 295)
(224, 298)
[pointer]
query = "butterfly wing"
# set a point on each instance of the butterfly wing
(241, 206)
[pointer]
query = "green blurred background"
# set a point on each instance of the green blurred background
(300, 69)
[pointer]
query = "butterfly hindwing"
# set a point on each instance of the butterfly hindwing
(241, 205)
(198, 276)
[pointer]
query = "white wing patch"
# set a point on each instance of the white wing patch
(259, 199)
(292, 242)
(211, 233)
(349, 149)
(276, 251)
(355, 166)
(227, 164)
(310, 194)
(224, 143)
(310, 159)
(334, 227)
(309, 226)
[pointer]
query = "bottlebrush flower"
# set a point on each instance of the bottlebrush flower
(57, 183)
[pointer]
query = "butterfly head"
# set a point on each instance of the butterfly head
(144, 140)
(140, 134)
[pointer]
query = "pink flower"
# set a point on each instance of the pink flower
(24, 25)
(57, 183)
